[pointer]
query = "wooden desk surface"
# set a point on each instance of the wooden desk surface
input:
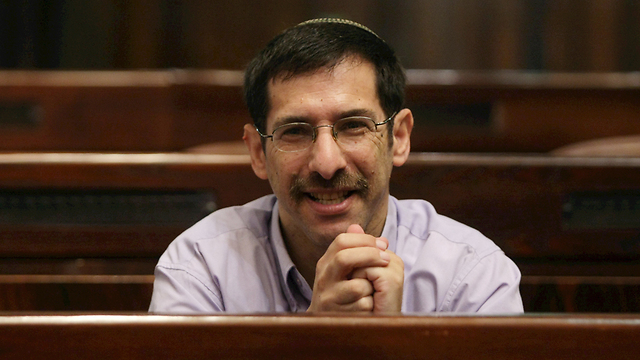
(318, 337)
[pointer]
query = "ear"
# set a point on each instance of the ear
(402, 126)
(254, 143)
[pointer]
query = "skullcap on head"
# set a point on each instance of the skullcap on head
(339, 21)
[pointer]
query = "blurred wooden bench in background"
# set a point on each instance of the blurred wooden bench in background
(102, 220)
(79, 230)
(571, 224)
(84, 231)
(160, 111)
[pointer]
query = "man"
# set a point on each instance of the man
(326, 98)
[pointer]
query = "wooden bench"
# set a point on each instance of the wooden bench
(571, 224)
(172, 110)
(79, 240)
(73, 293)
(318, 337)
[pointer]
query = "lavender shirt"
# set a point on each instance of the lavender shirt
(235, 260)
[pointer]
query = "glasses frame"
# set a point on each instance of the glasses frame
(315, 130)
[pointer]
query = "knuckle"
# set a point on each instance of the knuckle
(325, 302)
(341, 241)
(321, 264)
(342, 259)
(361, 287)
(359, 274)
(364, 304)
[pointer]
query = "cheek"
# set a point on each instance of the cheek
(375, 161)
(367, 166)
(281, 167)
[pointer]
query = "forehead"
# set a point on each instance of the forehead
(326, 92)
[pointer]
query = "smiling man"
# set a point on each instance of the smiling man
(326, 98)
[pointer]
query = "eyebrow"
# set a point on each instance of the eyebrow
(290, 119)
(358, 112)
(345, 114)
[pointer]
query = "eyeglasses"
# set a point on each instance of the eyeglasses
(350, 132)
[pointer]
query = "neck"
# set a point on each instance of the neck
(303, 253)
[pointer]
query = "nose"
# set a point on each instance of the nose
(326, 155)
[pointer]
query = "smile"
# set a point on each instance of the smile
(330, 198)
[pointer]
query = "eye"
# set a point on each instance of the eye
(354, 126)
(294, 131)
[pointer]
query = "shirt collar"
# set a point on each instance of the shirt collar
(295, 288)
(390, 230)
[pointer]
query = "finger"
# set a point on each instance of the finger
(340, 265)
(364, 304)
(388, 283)
(355, 229)
(351, 291)
(374, 274)
(344, 296)
(360, 273)
(351, 240)
(382, 243)
(395, 267)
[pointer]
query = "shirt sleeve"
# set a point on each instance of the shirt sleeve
(177, 291)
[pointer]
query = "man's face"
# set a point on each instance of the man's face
(325, 188)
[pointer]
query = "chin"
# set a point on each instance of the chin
(325, 238)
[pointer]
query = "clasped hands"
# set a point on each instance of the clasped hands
(358, 273)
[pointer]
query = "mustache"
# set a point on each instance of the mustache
(341, 179)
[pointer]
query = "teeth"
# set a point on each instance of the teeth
(329, 198)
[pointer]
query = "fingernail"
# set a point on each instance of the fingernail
(381, 244)
(384, 256)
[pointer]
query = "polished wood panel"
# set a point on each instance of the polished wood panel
(78, 172)
(524, 202)
(455, 111)
(87, 110)
(155, 171)
(318, 337)
(75, 292)
(119, 111)
(528, 112)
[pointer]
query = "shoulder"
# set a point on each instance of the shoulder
(452, 266)
(222, 263)
(253, 216)
(420, 220)
(226, 227)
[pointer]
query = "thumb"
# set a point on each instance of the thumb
(355, 229)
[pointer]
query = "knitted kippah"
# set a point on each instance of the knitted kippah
(339, 21)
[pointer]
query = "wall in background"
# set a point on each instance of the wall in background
(549, 35)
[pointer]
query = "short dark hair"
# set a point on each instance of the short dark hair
(318, 44)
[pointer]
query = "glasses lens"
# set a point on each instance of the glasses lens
(293, 137)
(352, 131)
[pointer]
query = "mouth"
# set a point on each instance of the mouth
(330, 198)
(335, 191)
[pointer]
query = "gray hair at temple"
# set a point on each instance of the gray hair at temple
(317, 44)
